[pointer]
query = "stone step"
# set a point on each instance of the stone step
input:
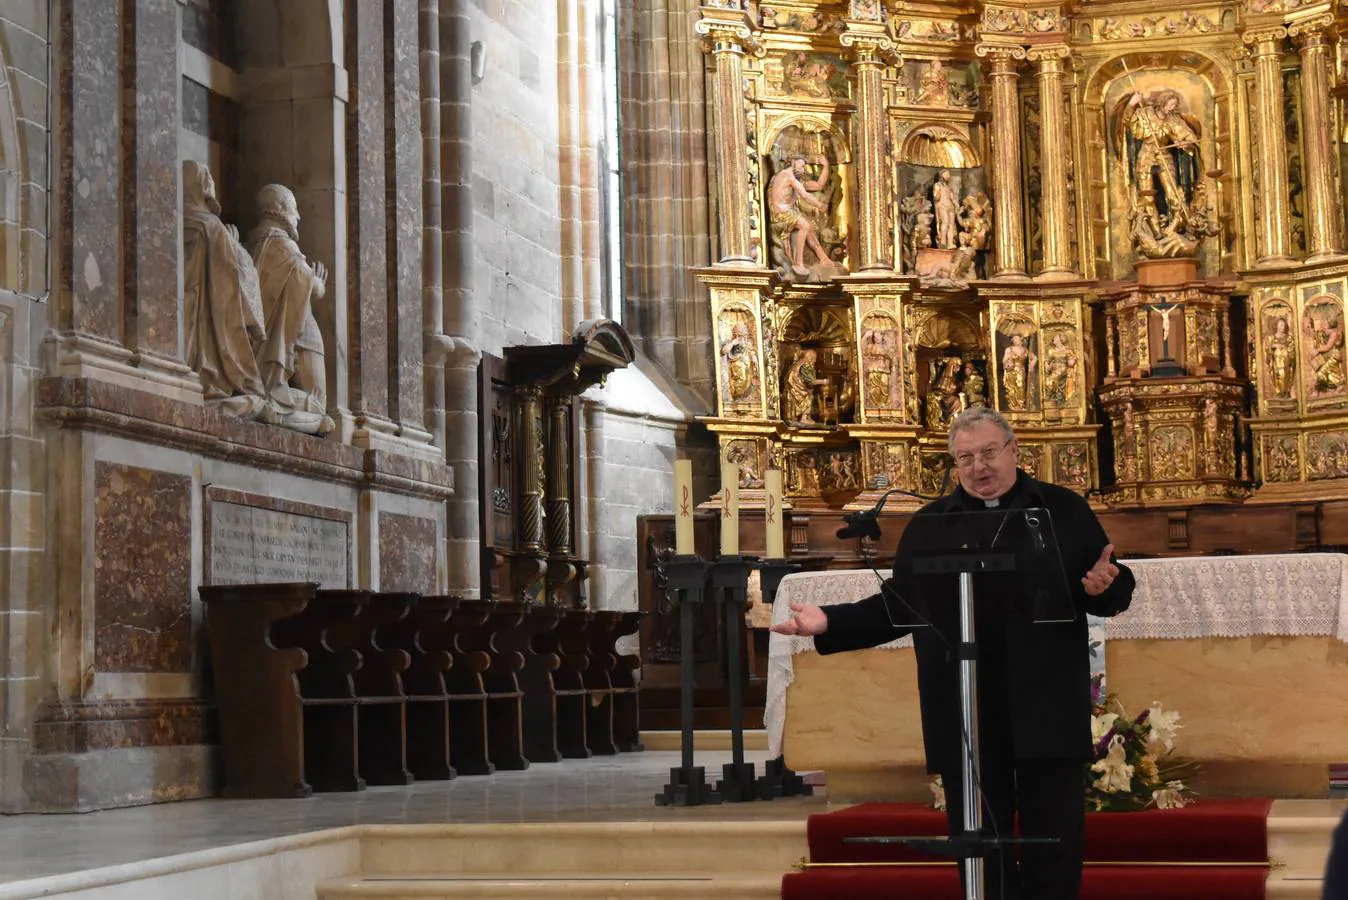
(1299, 836)
(574, 886)
(1293, 888)
(608, 848)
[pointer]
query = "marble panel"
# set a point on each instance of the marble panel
(142, 570)
(407, 553)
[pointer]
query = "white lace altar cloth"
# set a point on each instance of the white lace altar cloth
(1294, 594)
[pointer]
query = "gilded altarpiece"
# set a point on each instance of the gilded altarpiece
(1053, 209)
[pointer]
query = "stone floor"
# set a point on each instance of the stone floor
(621, 788)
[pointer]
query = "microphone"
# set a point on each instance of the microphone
(865, 523)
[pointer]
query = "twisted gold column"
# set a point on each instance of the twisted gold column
(1008, 249)
(1053, 162)
(530, 412)
(1271, 150)
(873, 49)
(1317, 164)
(727, 33)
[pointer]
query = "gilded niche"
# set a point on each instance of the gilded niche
(1171, 200)
(945, 214)
(1279, 357)
(1322, 340)
(1017, 350)
(805, 208)
(739, 356)
(819, 384)
(880, 337)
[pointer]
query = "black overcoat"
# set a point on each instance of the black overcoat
(1034, 676)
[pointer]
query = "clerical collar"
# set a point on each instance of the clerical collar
(995, 501)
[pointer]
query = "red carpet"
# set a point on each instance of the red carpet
(1211, 831)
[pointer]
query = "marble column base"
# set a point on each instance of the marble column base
(123, 776)
(103, 754)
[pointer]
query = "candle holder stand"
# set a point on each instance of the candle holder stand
(730, 589)
(687, 581)
(778, 780)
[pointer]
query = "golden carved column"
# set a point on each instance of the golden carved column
(873, 50)
(1313, 39)
(1053, 159)
(1270, 153)
(727, 32)
(1008, 248)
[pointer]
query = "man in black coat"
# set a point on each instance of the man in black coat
(1034, 718)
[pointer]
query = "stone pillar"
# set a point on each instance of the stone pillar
(1053, 155)
(368, 284)
(729, 32)
(872, 50)
(1313, 38)
(88, 186)
(1008, 247)
(460, 305)
(1270, 152)
(152, 276)
(402, 210)
(432, 270)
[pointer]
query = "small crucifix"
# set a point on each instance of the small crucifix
(1164, 308)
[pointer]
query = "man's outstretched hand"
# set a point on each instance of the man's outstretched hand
(806, 620)
(1101, 575)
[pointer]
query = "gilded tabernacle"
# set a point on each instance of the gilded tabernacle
(1122, 229)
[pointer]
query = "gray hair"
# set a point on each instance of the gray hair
(975, 416)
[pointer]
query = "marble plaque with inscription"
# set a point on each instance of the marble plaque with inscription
(253, 545)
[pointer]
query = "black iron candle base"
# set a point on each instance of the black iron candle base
(687, 787)
(770, 575)
(779, 781)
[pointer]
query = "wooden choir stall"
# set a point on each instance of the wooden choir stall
(333, 689)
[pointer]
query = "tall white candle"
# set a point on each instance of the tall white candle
(683, 507)
(730, 509)
(772, 513)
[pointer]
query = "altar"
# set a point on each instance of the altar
(1251, 650)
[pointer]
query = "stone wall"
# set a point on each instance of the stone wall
(516, 227)
(23, 321)
(637, 425)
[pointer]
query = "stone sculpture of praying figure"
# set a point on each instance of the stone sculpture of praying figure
(223, 306)
(291, 357)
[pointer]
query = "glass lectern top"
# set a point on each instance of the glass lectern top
(1016, 548)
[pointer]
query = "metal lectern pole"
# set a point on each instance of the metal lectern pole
(973, 811)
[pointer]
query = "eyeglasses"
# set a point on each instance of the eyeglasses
(987, 454)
